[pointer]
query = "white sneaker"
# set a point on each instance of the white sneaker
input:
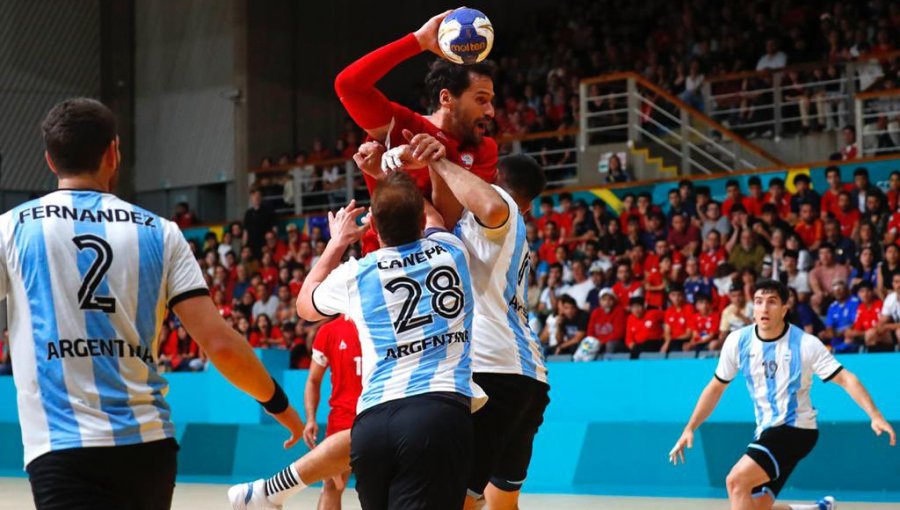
(250, 496)
(827, 503)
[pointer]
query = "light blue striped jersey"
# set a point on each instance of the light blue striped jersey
(412, 305)
(87, 277)
(778, 374)
(500, 263)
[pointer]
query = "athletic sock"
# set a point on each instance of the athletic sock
(283, 485)
(806, 506)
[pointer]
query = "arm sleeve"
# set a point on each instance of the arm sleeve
(729, 359)
(184, 279)
(332, 296)
(822, 362)
(319, 346)
(355, 85)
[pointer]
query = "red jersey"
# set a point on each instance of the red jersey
(679, 319)
(654, 298)
(480, 160)
(641, 329)
(626, 292)
(541, 222)
(705, 325)
(810, 234)
(607, 326)
(848, 220)
(564, 221)
(867, 315)
(784, 205)
(830, 199)
(337, 345)
(729, 203)
(754, 205)
(711, 260)
(547, 251)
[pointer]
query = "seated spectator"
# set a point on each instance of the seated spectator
(265, 303)
(829, 203)
(770, 224)
(803, 193)
(773, 262)
(607, 323)
(598, 274)
(287, 308)
(265, 335)
(780, 198)
(773, 58)
(183, 216)
(180, 353)
(840, 316)
(655, 231)
(824, 276)
(886, 270)
(684, 237)
(804, 259)
(748, 254)
(677, 331)
(713, 255)
(6, 361)
(849, 151)
(705, 325)
(738, 313)
(755, 197)
(268, 270)
(553, 288)
(734, 197)
(581, 285)
(616, 172)
(572, 326)
(693, 86)
(695, 283)
(713, 220)
(843, 247)
(794, 278)
(656, 282)
(810, 228)
(847, 215)
(865, 270)
(679, 207)
(889, 321)
(626, 287)
(301, 356)
(864, 328)
(802, 315)
(644, 328)
(551, 242)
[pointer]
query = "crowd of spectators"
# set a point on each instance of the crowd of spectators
(679, 276)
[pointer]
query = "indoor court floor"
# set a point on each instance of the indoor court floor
(15, 495)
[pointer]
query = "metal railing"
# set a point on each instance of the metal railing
(303, 188)
(877, 121)
(792, 100)
(625, 107)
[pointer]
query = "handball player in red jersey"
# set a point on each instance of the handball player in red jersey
(336, 346)
(461, 108)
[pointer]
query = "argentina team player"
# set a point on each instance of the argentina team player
(88, 278)
(506, 354)
(777, 362)
(411, 301)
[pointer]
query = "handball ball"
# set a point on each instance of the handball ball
(466, 36)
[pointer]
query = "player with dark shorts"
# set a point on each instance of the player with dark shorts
(506, 358)
(337, 346)
(460, 104)
(777, 361)
(88, 277)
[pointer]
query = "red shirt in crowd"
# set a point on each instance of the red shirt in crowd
(641, 329)
(711, 260)
(810, 234)
(679, 319)
(337, 346)
(547, 251)
(626, 292)
(754, 204)
(607, 326)
(729, 203)
(257, 338)
(829, 201)
(848, 220)
(784, 206)
(654, 298)
(867, 315)
(704, 325)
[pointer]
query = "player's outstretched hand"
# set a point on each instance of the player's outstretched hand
(342, 224)
(685, 441)
(425, 148)
(880, 425)
(290, 420)
(311, 434)
(427, 35)
(368, 159)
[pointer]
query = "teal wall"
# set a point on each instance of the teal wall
(608, 430)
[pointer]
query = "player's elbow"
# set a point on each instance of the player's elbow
(343, 83)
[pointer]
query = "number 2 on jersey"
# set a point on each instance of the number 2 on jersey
(87, 300)
(447, 299)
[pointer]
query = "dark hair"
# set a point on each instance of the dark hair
(77, 133)
(702, 296)
(832, 169)
(547, 201)
(636, 300)
(769, 208)
(777, 181)
(791, 253)
(738, 208)
(685, 182)
(674, 191)
(861, 171)
(702, 190)
(522, 176)
(802, 178)
(646, 194)
(772, 286)
(754, 181)
(565, 196)
(398, 209)
(568, 300)
(732, 182)
(851, 128)
(676, 287)
(826, 246)
(443, 74)
(864, 284)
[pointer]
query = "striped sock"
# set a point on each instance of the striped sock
(283, 485)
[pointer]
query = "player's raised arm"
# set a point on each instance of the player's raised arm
(851, 384)
(355, 85)
(234, 358)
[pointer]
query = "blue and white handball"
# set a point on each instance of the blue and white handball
(466, 36)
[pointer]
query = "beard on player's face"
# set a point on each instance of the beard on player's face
(470, 123)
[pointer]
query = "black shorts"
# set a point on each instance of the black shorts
(777, 451)
(413, 453)
(504, 430)
(134, 477)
